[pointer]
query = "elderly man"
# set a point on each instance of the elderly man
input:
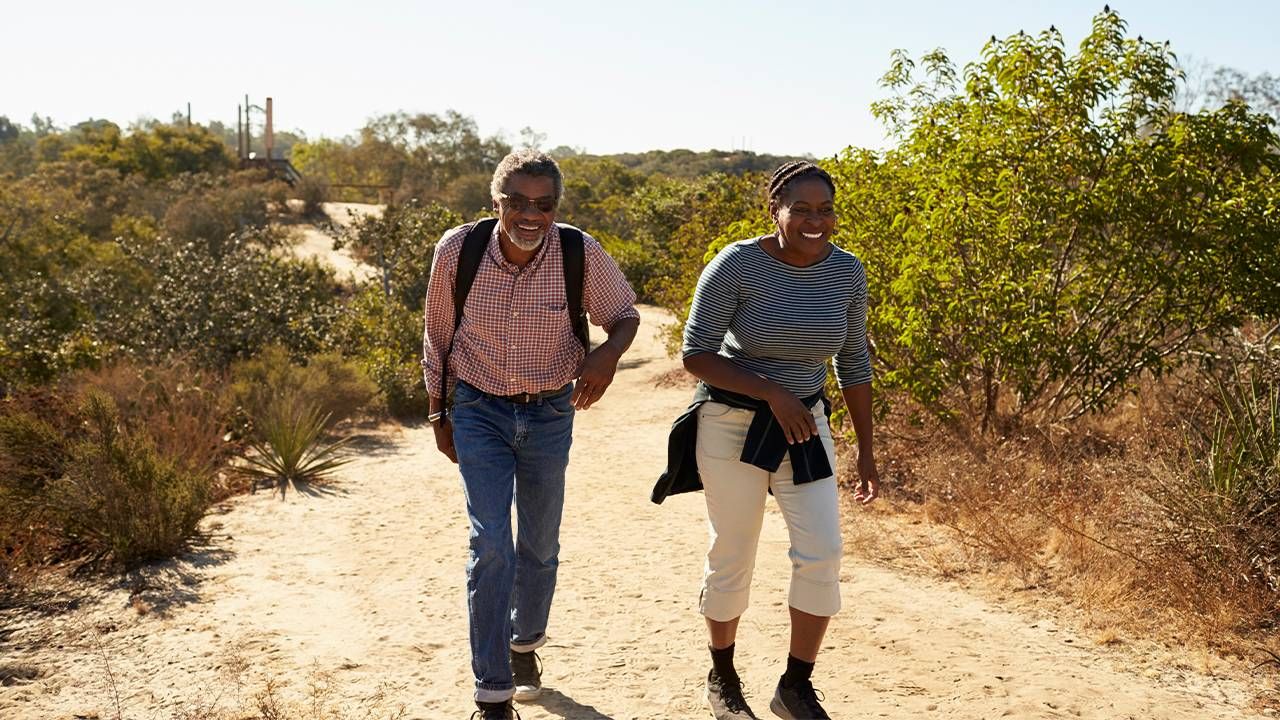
(520, 365)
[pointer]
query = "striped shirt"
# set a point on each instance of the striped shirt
(515, 335)
(782, 321)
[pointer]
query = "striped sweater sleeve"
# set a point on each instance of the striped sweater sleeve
(714, 302)
(853, 362)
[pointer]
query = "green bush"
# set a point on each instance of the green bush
(314, 193)
(336, 387)
(33, 454)
(121, 500)
(401, 243)
(212, 213)
(385, 338)
(106, 455)
(155, 153)
(223, 307)
(211, 287)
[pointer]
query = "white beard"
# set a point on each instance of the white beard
(527, 246)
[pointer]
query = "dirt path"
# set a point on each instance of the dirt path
(364, 585)
(315, 242)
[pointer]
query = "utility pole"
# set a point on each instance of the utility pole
(269, 138)
(247, 127)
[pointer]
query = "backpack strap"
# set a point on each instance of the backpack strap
(473, 247)
(469, 264)
(573, 255)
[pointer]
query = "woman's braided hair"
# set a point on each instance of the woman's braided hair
(796, 170)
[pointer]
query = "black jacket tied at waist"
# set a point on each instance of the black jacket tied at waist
(764, 446)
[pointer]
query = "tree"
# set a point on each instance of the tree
(1261, 92)
(8, 131)
(401, 244)
(160, 152)
(425, 156)
(1049, 229)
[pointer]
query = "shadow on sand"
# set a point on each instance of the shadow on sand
(561, 705)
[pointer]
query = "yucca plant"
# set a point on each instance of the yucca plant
(289, 447)
(1226, 507)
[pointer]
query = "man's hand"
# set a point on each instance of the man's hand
(868, 479)
(444, 438)
(597, 374)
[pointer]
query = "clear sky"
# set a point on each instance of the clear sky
(604, 76)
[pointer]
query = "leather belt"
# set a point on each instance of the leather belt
(526, 398)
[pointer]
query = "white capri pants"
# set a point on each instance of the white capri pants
(735, 492)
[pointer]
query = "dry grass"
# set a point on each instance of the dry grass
(1069, 512)
(113, 466)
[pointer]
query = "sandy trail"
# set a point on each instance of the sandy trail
(364, 582)
(315, 242)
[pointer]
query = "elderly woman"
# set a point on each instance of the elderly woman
(767, 314)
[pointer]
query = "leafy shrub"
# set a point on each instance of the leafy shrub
(385, 338)
(155, 153)
(213, 214)
(33, 453)
(222, 307)
(217, 291)
(401, 243)
(126, 449)
(314, 193)
(336, 387)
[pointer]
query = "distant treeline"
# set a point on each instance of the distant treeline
(688, 164)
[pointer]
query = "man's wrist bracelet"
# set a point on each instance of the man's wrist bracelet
(436, 417)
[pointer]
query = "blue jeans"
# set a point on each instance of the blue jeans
(504, 450)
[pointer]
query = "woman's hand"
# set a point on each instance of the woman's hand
(868, 479)
(796, 420)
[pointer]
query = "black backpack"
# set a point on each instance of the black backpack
(573, 257)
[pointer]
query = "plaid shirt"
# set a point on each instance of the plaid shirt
(515, 335)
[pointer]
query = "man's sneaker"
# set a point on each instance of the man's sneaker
(725, 699)
(526, 671)
(495, 711)
(799, 702)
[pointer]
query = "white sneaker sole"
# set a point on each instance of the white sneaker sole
(527, 693)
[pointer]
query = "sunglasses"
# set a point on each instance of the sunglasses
(520, 203)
